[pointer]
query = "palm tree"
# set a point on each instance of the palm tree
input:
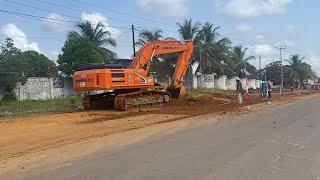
(214, 52)
(299, 70)
(98, 36)
(146, 36)
(240, 60)
(189, 30)
(162, 68)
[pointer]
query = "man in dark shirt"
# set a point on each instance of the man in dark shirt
(239, 91)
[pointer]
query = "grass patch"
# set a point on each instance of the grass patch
(31, 107)
(193, 92)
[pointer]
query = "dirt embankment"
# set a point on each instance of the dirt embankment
(20, 136)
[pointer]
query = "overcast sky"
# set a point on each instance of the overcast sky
(260, 25)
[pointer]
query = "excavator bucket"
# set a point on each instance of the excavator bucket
(176, 92)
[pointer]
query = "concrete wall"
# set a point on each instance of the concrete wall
(207, 81)
(252, 84)
(244, 83)
(232, 84)
(221, 82)
(43, 88)
(195, 81)
(258, 83)
(203, 81)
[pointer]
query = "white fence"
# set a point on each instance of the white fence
(222, 82)
(43, 88)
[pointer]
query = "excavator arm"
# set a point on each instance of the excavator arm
(152, 49)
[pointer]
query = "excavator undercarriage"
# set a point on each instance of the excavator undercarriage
(122, 101)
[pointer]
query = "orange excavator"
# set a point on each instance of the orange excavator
(126, 88)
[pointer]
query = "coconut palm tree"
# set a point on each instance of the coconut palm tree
(241, 60)
(98, 35)
(299, 70)
(214, 52)
(189, 30)
(146, 36)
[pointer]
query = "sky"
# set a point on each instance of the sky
(260, 25)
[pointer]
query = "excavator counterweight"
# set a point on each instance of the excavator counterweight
(125, 88)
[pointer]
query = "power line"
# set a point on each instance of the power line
(32, 37)
(121, 12)
(40, 9)
(54, 38)
(120, 35)
(77, 10)
(53, 20)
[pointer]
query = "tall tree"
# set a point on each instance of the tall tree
(39, 65)
(77, 50)
(13, 68)
(299, 70)
(214, 52)
(98, 36)
(190, 31)
(241, 60)
(146, 36)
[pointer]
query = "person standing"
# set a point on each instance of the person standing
(269, 88)
(263, 89)
(239, 91)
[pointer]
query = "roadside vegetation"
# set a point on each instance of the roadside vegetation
(33, 107)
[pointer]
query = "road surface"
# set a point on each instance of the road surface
(280, 143)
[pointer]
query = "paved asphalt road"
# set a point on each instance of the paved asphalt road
(282, 143)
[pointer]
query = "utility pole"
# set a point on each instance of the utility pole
(133, 41)
(259, 67)
(280, 48)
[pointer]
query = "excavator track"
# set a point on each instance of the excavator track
(99, 101)
(138, 99)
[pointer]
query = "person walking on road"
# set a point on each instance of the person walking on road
(239, 91)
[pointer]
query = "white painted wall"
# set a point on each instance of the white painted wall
(207, 81)
(195, 81)
(221, 82)
(244, 83)
(252, 84)
(42, 88)
(258, 83)
(232, 84)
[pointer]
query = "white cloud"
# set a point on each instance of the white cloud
(168, 8)
(245, 9)
(260, 37)
(95, 18)
(19, 38)
(314, 60)
(244, 28)
(262, 50)
(54, 22)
